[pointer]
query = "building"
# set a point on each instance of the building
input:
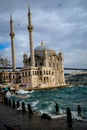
(44, 68)
(10, 77)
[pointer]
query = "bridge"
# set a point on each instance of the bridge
(3, 68)
(75, 69)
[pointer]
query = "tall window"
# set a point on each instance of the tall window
(40, 72)
(33, 72)
(46, 72)
(52, 73)
(53, 65)
(22, 74)
(57, 65)
(13, 76)
(25, 73)
(29, 73)
(49, 64)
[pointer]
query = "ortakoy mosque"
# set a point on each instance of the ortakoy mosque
(42, 69)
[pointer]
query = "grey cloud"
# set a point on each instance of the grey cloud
(62, 27)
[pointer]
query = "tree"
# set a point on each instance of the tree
(4, 62)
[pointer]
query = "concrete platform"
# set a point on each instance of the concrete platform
(11, 116)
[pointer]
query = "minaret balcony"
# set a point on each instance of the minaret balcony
(12, 35)
(30, 28)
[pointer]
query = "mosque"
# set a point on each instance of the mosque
(43, 68)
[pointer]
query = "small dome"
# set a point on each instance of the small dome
(42, 47)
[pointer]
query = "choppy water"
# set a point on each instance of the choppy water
(44, 100)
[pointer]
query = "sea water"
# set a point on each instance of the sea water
(44, 100)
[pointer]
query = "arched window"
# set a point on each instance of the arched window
(40, 72)
(13, 76)
(25, 73)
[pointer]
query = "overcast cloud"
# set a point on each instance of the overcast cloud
(61, 24)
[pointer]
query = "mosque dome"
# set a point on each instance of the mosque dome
(42, 47)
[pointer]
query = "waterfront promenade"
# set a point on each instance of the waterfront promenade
(11, 116)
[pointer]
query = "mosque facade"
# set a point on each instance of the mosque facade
(42, 69)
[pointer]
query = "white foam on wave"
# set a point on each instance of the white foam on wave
(8, 94)
(50, 108)
(53, 115)
(24, 96)
(57, 116)
(34, 103)
(31, 91)
(19, 108)
(21, 91)
(62, 111)
(79, 118)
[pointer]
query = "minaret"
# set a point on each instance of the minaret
(30, 29)
(12, 34)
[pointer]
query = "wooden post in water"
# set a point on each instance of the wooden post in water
(9, 102)
(69, 118)
(3, 99)
(13, 103)
(17, 103)
(30, 110)
(79, 110)
(6, 100)
(57, 108)
(23, 107)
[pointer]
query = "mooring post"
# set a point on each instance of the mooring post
(69, 118)
(3, 99)
(79, 110)
(13, 103)
(17, 103)
(23, 107)
(30, 110)
(6, 101)
(9, 102)
(57, 108)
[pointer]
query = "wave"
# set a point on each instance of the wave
(33, 104)
(21, 91)
(79, 118)
(45, 101)
(8, 94)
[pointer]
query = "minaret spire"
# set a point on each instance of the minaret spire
(10, 17)
(29, 8)
(12, 35)
(30, 29)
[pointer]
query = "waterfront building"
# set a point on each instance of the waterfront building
(44, 68)
(12, 77)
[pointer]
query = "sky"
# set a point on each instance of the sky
(60, 24)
